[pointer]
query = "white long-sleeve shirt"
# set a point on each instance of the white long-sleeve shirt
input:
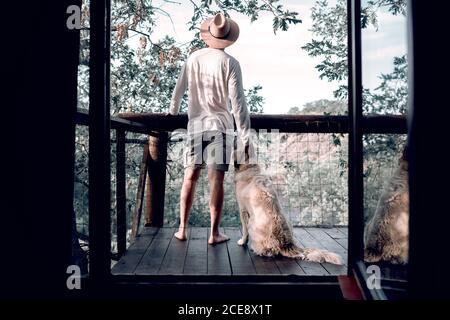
(215, 93)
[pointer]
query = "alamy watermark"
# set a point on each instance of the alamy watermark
(74, 279)
(74, 19)
(373, 280)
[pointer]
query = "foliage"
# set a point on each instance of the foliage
(329, 31)
(324, 106)
(255, 102)
(282, 17)
(329, 43)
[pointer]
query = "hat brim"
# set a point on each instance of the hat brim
(217, 43)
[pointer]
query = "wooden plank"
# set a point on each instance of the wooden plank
(241, 263)
(328, 242)
(140, 193)
(289, 266)
(197, 254)
(173, 262)
(343, 243)
(132, 257)
(154, 256)
(334, 233)
(264, 265)
(121, 199)
(337, 236)
(343, 230)
(218, 260)
(313, 268)
(149, 231)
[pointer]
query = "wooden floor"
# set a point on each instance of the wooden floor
(157, 252)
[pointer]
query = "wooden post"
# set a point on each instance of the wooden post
(99, 143)
(148, 200)
(121, 193)
(140, 193)
(355, 146)
(156, 179)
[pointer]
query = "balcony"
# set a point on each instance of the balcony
(144, 217)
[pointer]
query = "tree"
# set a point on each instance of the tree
(329, 31)
(328, 107)
(390, 97)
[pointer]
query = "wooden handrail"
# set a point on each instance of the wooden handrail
(82, 118)
(148, 123)
(284, 123)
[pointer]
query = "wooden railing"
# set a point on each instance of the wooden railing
(282, 122)
(152, 177)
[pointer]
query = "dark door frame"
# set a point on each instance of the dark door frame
(99, 135)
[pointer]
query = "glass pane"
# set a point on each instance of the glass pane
(80, 234)
(384, 76)
(384, 60)
(386, 208)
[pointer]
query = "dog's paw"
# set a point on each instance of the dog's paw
(242, 242)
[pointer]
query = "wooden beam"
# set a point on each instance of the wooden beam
(99, 143)
(156, 179)
(121, 199)
(355, 145)
(281, 122)
(140, 193)
(82, 118)
(147, 123)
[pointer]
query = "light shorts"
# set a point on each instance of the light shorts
(210, 148)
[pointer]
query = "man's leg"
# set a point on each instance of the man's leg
(216, 178)
(191, 176)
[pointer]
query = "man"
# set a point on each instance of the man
(214, 82)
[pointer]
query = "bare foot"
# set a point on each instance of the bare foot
(181, 234)
(218, 238)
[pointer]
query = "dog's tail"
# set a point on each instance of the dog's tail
(319, 255)
(311, 254)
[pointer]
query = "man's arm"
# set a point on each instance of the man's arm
(238, 103)
(178, 91)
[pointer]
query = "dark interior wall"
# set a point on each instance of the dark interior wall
(41, 82)
(429, 126)
(42, 77)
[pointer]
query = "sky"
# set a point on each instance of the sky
(277, 62)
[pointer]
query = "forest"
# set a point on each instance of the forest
(309, 170)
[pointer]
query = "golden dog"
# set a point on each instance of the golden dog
(387, 232)
(263, 221)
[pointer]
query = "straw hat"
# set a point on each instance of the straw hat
(219, 31)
